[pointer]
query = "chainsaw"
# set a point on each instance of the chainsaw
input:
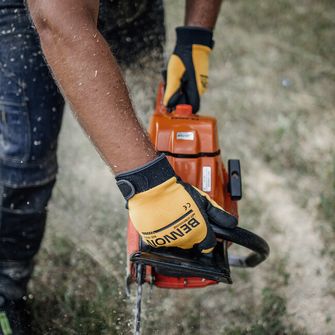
(190, 142)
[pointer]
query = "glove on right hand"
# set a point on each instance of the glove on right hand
(167, 212)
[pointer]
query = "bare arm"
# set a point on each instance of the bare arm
(91, 80)
(202, 13)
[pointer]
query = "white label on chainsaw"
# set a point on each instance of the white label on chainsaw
(185, 135)
(206, 178)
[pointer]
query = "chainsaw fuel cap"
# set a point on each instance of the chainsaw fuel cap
(183, 110)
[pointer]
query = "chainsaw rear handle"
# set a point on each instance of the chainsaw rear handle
(259, 247)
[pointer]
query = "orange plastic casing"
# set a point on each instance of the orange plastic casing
(190, 143)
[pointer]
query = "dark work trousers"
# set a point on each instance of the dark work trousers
(31, 110)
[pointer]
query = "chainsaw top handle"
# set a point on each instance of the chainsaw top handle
(259, 247)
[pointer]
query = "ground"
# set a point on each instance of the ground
(272, 88)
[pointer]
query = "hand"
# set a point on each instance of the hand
(167, 212)
(187, 70)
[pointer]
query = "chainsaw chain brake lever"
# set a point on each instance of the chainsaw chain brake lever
(259, 248)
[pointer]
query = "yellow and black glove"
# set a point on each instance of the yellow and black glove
(167, 212)
(187, 70)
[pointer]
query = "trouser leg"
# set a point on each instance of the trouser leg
(135, 30)
(23, 220)
(30, 117)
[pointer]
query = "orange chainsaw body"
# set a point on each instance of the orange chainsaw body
(190, 143)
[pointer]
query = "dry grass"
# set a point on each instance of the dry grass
(272, 89)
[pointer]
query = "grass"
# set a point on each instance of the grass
(73, 295)
(327, 214)
(327, 197)
(272, 83)
(271, 317)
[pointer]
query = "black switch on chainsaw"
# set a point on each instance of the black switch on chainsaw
(235, 182)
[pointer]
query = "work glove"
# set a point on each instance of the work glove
(187, 70)
(167, 212)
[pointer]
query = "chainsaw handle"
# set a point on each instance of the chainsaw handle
(245, 238)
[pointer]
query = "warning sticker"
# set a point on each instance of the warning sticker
(206, 178)
(185, 135)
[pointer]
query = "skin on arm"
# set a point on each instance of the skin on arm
(202, 13)
(90, 78)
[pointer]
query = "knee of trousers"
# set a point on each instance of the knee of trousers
(23, 217)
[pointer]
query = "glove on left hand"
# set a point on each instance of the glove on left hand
(167, 212)
(187, 71)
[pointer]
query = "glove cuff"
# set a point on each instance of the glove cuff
(145, 177)
(194, 35)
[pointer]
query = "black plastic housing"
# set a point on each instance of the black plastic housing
(235, 180)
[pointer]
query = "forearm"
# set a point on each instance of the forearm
(91, 80)
(202, 13)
